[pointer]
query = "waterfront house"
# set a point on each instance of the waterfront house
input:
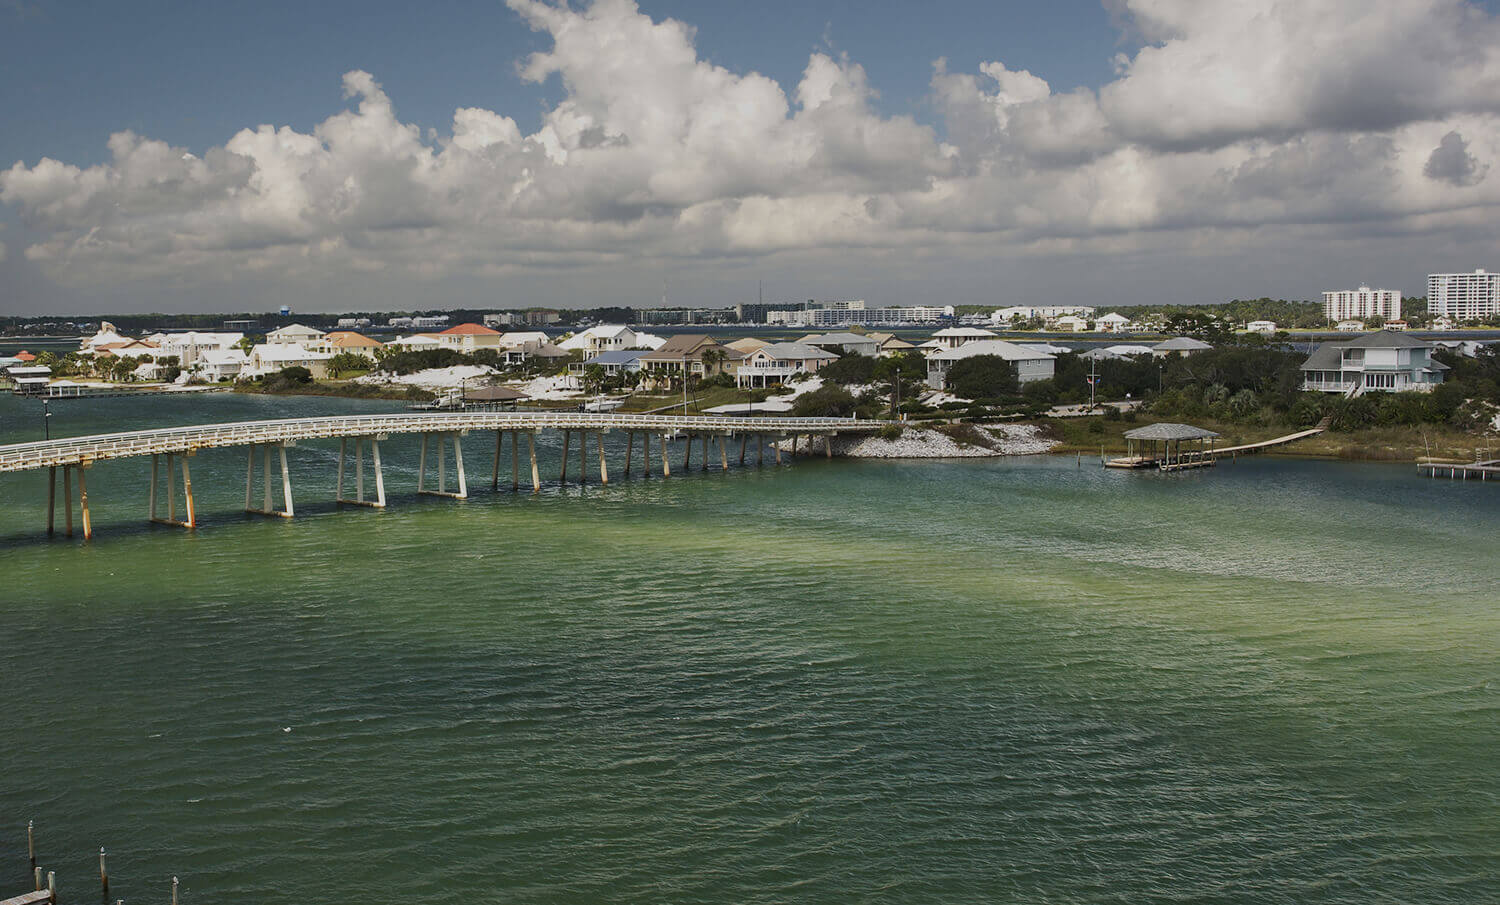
(1350, 326)
(1112, 323)
(1029, 365)
(953, 337)
(221, 364)
(268, 358)
(1070, 323)
(624, 361)
(747, 345)
(106, 335)
(294, 335)
(1385, 361)
(1265, 328)
(843, 343)
(609, 338)
(339, 341)
(470, 338)
(696, 354)
(1180, 345)
(779, 361)
(191, 345)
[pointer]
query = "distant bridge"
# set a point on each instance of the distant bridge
(75, 454)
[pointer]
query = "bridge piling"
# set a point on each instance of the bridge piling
(629, 450)
(515, 462)
(744, 439)
(536, 476)
(705, 451)
(287, 508)
(451, 438)
(687, 452)
(646, 454)
(495, 469)
(562, 477)
(83, 501)
(583, 458)
(51, 498)
(723, 453)
(666, 466)
(760, 450)
(776, 445)
(603, 465)
(359, 474)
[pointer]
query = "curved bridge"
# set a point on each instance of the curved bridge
(75, 454)
(178, 440)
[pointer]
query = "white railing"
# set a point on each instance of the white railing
(79, 450)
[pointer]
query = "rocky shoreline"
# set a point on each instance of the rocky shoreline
(988, 440)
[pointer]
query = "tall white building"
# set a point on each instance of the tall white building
(1463, 296)
(1362, 303)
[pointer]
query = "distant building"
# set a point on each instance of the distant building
(1071, 323)
(1381, 362)
(1044, 312)
(353, 323)
(1350, 326)
(1362, 303)
(756, 312)
(1180, 345)
(470, 338)
(1112, 323)
(294, 335)
(844, 343)
(430, 322)
(775, 363)
(953, 337)
(499, 319)
(842, 314)
(1463, 296)
(242, 326)
(1265, 328)
(539, 317)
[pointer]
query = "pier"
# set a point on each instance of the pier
(1479, 470)
(1166, 451)
(441, 435)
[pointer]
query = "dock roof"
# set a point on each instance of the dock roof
(1168, 430)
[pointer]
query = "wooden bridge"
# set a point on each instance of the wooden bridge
(440, 431)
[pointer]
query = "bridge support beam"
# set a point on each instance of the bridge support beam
(536, 476)
(359, 472)
(189, 510)
(776, 445)
(705, 452)
(666, 466)
(646, 451)
(629, 450)
(83, 500)
(442, 467)
(687, 452)
(562, 476)
(603, 465)
(744, 439)
(287, 509)
(828, 446)
(583, 457)
(760, 449)
(723, 452)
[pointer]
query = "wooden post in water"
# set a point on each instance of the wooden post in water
(629, 450)
(51, 498)
(36, 873)
(187, 492)
(52, 885)
(646, 453)
(421, 470)
(31, 846)
(744, 439)
(705, 452)
(760, 449)
(687, 452)
(174, 891)
(103, 875)
(723, 453)
(776, 445)
(567, 440)
(603, 466)
(828, 446)
(515, 462)
(83, 503)
(666, 466)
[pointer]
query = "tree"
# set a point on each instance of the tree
(828, 401)
(345, 362)
(983, 377)
(295, 374)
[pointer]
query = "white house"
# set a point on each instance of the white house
(470, 338)
(1382, 362)
(221, 364)
(1112, 323)
(776, 362)
(268, 358)
(847, 343)
(953, 337)
(1071, 323)
(610, 338)
(1351, 326)
(1182, 345)
(190, 346)
(1265, 328)
(293, 335)
(106, 336)
(1029, 365)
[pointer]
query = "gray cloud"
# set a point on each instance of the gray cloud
(1452, 163)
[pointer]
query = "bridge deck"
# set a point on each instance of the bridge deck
(97, 447)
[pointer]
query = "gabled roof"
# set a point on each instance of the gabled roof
(788, 351)
(964, 331)
(1114, 317)
(1326, 357)
(494, 394)
(295, 330)
(684, 345)
(469, 330)
(1181, 344)
(348, 339)
(747, 345)
(838, 339)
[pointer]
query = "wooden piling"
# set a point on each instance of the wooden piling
(68, 501)
(723, 453)
(603, 466)
(567, 441)
(583, 457)
(646, 454)
(31, 845)
(666, 465)
(760, 449)
(515, 462)
(705, 452)
(103, 875)
(629, 450)
(174, 891)
(495, 472)
(51, 498)
(687, 452)
(744, 439)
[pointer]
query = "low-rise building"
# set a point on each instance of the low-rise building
(778, 362)
(1350, 326)
(1265, 328)
(470, 338)
(340, 341)
(1179, 345)
(694, 354)
(1029, 365)
(1380, 362)
(844, 343)
(268, 358)
(615, 363)
(953, 337)
(294, 335)
(1070, 323)
(221, 364)
(1112, 323)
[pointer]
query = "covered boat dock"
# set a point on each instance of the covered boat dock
(1167, 446)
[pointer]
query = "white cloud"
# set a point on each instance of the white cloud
(1329, 116)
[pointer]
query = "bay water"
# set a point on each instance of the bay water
(1012, 680)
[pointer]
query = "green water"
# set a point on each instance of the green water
(1012, 681)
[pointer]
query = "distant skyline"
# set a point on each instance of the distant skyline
(205, 157)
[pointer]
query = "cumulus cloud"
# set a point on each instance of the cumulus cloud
(1228, 118)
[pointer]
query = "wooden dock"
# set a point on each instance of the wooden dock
(1208, 457)
(1480, 471)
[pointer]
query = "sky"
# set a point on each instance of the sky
(190, 156)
